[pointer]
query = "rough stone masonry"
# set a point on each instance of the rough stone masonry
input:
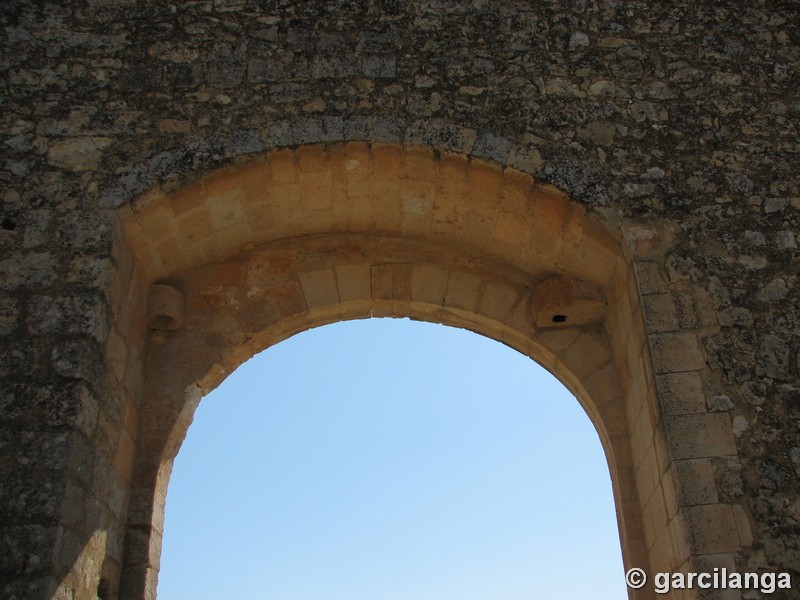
(674, 125)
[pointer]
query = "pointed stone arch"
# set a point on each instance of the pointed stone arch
(296, 238)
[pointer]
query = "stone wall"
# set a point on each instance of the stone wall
(673, 124)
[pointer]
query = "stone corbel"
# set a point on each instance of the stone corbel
(164, 307)
(567, 302)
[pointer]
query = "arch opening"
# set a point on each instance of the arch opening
(255, 253)
(390, 458)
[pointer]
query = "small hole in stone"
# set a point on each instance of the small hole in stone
(559, 318)
(8, 224)
(104, 589)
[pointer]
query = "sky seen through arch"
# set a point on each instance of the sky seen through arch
(388, 459)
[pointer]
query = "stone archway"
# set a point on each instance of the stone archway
(298, 238)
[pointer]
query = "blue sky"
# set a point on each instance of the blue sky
(388, 459)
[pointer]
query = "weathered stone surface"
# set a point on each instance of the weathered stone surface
(684, 115)
(80, 154)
